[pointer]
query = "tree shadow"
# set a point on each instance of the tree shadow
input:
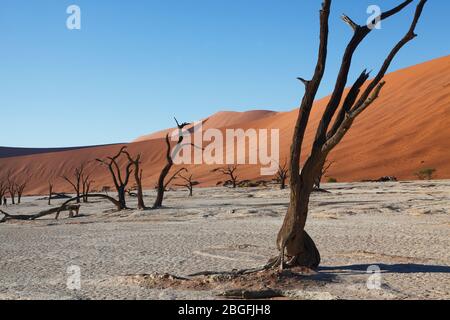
(386, 268)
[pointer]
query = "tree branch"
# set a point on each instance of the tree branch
(309, 96)
(341, 82)
(348, 102)
(410, 35)
(350, 22)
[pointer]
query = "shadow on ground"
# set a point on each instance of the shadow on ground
(386, 268)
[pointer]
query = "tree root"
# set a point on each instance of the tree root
(273, 263)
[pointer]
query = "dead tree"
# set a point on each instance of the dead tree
(118, 204)
(50, 192)
(106, 189)
(119, 182)
(229, 171)
(72, 208)
(282, 175)
(327, 165)
(293, 241)
(12, 188)
(188, 183)
(76, 183)
(20, 188)
(86, 182)
(3, 190)
(136, 162)
(66, 206)
(162, 184)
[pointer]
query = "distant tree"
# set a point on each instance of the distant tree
(20, 188)
(106, 189)
(332, 180)
(282, 175)
(86, 185)
(189, 183)
(322, 173)
(12, 187)
(229, 171)
(76, 180)
(3, 190)
(136, 162)
(426, 173)
(50, 192)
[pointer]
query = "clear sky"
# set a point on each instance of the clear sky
(135, 64)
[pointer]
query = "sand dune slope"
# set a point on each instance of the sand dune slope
(405, 130)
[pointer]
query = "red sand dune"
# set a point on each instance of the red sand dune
(405, 130)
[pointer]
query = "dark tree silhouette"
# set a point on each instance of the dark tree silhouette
(136, 162)
(50, 192)
(76, 180)
(3, 190)
(30, 217)
(86, 185)
(282, 175)
(189, 183)
(327, 165)
(12, 188)
(293, 241)
(229, 171)
(120, 181)
(106, 189)
(20, 188)
(162, 184)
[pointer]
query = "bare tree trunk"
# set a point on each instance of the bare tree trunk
(13, 197)
(140, 192)
(161, 188)
(121, 193)
(77, 182)
(3, 190)
(7, 216)
(50, 193)
(12, 187)
(138, 179)
(20, 187)
(86, 183)
(162, 177)
(293, 240)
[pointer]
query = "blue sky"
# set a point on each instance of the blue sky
(135, 64)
